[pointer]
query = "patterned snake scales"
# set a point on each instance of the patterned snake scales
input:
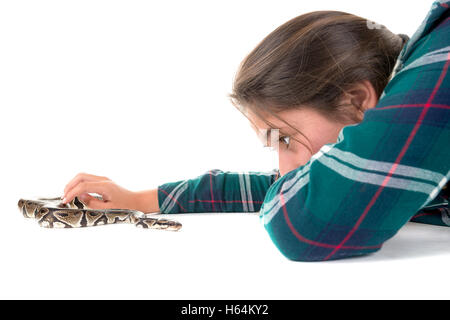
(52, 213)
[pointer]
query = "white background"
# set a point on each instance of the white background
(136, 91)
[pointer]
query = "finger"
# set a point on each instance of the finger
(80, 178)
(99, 204)
(85, 197)
(100, 187)
(94, 203)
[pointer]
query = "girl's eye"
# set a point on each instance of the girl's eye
(285, 140)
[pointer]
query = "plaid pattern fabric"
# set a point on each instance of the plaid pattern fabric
(354, 194)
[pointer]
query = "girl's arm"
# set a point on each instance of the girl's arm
(146, 201)
(216, 191)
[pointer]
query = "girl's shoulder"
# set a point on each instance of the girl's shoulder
(437, 16)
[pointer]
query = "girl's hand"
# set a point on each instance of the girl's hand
(113, 195)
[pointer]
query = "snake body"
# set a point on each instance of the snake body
(52, 213)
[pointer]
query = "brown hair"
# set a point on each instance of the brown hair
(311, 60)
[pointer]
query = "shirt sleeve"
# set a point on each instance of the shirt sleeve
(437, 212)
(355, 194)
(217, 191)
(438, 217)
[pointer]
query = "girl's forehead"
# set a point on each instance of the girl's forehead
(264, 121)
(261, 121)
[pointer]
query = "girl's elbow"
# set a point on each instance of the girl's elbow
(289, 254)
(304, 252)
(295, 251)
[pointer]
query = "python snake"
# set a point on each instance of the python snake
(52, 213)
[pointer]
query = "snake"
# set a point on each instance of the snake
(53, 213)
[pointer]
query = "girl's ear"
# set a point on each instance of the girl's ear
(363, 95)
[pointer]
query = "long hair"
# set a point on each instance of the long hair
(311, 60)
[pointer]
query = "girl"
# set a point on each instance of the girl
(359, 117)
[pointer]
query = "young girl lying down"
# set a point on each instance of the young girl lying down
(360, 120)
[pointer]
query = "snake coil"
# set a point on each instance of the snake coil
(52, 213)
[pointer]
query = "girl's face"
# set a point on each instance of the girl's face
(306, 129)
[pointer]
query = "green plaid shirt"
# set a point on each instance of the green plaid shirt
(355, 194)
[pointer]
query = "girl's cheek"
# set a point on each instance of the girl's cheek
(287, 161)
(290, 159)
